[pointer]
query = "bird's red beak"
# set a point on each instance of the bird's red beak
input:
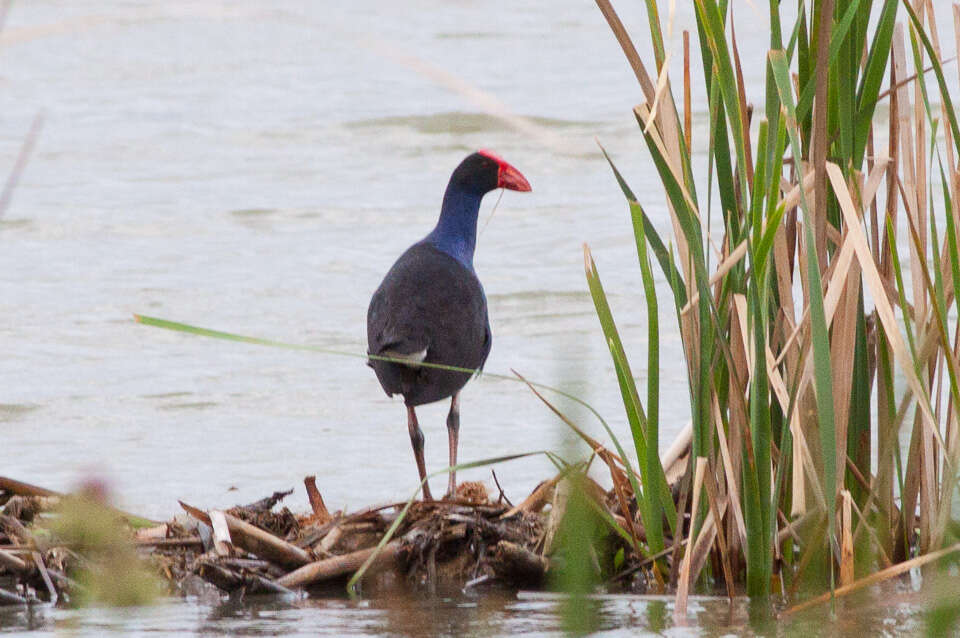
(507, 176)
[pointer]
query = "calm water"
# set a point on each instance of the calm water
(532, 615)
(256, 167)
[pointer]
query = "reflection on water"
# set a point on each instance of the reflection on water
(528, 614)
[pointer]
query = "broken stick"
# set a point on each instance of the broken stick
(339, 566)
(316, 500)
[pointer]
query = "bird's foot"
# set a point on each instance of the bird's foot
(427, 496)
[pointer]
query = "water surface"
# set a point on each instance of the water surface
(529, 615)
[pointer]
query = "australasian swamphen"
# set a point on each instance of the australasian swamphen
(431, 308)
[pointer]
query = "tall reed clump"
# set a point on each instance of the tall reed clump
(815, 299)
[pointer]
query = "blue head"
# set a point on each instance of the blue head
(477, 175)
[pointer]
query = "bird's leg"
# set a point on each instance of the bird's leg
(453, 433)
(416, 439)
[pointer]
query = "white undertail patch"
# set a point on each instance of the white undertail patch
(411, 357)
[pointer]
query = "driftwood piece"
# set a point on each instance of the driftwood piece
(516, 565)
(538, 498)
(494, 509)
(221, 577)
(320, 510)
(12, 563)
(253, 564)
(20, 488)
(262, 585)
(315, 534)
(487, 528)
(15, 530)
(330, 540)
(229, 579)
(281, 523)
(206, 536)
(222, 543)
(339, 566)
(24, 489)
(9, 598)
(153, 533)
(47, 582)
(256, 541)
(25, 508)
(366, 512)
(171, 543)
(62, 580)
(266, 504)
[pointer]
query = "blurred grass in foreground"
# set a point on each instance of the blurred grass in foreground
(111, 573)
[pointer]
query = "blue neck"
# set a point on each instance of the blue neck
(456, 232)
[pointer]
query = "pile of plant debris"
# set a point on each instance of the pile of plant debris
(48, 549)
